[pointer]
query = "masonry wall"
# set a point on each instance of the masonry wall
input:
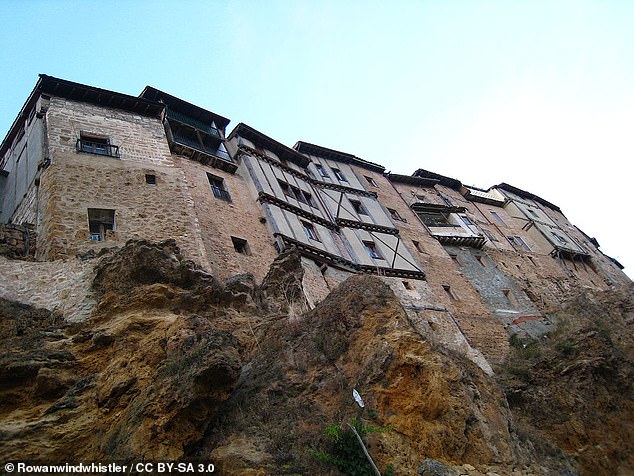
(217, 220)
(17, 241)
(464, 306)
(76, 181)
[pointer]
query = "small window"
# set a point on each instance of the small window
(530, 210)
(445, 200)
(532, 260)
(371, 181)
(310, 231)
(560, 239)
(99, 145)
(308, 198)
(150, 179)
(466, 220)
(489, 235)
(358, 207)
(450, 292)
(518, 242)
(322, 170)
(482, 260)
(407, 285)
(370, 247)
(455, 259)
(290, 191)
(417, 246)
(299, 196)
(498, 218)
(396, 215)
(217, 185)
(100, 222)
(240, 246)
(510, 298)
(285, 188)
(339, 174)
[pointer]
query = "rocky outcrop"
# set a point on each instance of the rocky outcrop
(174, 365)
(575, 386)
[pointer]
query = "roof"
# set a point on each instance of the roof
(186, 107)
(527, 195)
(411, 180)
(442, 180)
(82, 93)
(326, 153)
(260, 139)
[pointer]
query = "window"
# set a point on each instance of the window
(240, 246)
(498, 218)
(407, 285)
(450, 292)
(309, 199)
(482, 260)
(217, 185)
(417, 246)
(532, 260)
(517, 242)
(358, 207)
(396, 215)
(434, 219)
(310, 231)
(530, 210)
(322, 170)
(150, 179)
(370, 247)
(99, 145)
(297, 194)
(100, 222)
(560, 239)
(445, 200)
(455, 259)
(510, 298)
(371, 181)
(489, 235)
(466, 220)
(339, 174)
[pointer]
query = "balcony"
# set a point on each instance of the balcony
(447, 226)
(97, 148)
(202, 152)
(195, 123)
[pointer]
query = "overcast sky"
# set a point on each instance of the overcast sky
(536, 94)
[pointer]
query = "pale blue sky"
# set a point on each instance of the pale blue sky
(539, 94)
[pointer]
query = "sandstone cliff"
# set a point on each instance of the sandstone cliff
(176, 365)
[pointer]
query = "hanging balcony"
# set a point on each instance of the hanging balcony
(201, 151)
(195, 123)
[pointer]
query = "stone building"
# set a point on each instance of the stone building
(84, 168)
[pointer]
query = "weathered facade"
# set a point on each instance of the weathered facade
(86, 169)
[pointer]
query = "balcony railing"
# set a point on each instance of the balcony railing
(202, 148)
(98, 148)
(185, 119)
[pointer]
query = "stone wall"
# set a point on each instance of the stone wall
(217, 220)
(76, 181)
(63, 286)
(445, 286)
(17, 241)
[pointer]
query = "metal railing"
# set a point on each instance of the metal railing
(98, 148)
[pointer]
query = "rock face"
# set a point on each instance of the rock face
(175, 365)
